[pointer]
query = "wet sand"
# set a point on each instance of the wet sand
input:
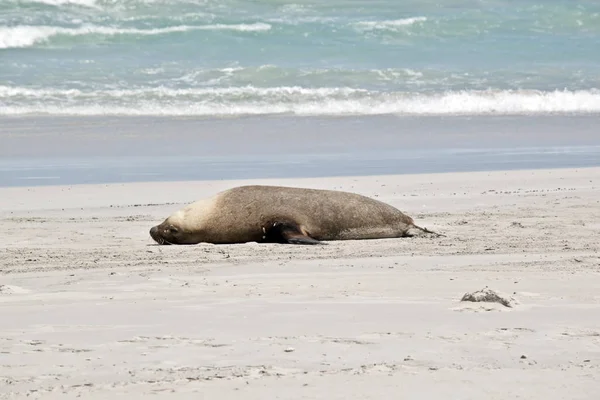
(87, 150)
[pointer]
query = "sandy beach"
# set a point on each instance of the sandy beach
(92, 308)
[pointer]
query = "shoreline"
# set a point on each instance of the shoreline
(137, 194)
(101, 150)
(228, 175)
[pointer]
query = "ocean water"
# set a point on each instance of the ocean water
(217, 58)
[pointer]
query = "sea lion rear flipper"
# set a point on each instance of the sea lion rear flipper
(286, 232)
(300, 239)
(415, 230)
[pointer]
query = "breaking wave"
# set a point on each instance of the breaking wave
(295, 100)
(388, 25)
(26, 35)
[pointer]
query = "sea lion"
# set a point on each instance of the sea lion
(283, 215)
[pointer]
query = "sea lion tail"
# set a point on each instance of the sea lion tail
(425, 230)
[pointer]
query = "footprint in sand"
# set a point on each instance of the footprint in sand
(9, 289)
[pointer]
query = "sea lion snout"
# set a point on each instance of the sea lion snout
(154, 234)
(167, 233)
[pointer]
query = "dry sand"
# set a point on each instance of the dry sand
(91, 308)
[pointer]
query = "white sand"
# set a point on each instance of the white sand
(91, 307)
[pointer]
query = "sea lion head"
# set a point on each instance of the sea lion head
(165, 233)
(173, 231)
(189, 225)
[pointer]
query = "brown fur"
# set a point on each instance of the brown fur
(248, 214)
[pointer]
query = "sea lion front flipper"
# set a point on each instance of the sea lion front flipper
(286, 232)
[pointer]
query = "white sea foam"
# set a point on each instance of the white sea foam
(389, 25)
(292, 100)
(256, 27)
(162, 92)
(84, 3)
(109, 3)
(28, 35)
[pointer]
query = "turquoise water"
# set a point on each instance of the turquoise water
(352, 57)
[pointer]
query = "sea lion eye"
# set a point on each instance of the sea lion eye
(173, 229)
